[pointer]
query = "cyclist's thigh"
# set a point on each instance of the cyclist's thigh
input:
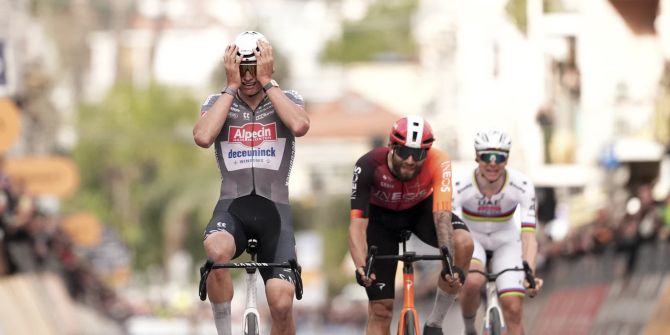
(223, 220)
(386, 241)
(278, 247)
(479, 253)
(270, 224)
(506, 256)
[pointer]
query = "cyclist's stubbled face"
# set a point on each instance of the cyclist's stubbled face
(405, 169)
(492, 165)
(250, 86)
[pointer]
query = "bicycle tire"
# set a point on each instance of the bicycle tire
(409, 324)
(251, 323)
(494, 322)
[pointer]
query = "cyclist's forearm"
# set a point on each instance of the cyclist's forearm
(529, 248)
(292, 115)
(209, 125)
(444, 230)
(358, 241)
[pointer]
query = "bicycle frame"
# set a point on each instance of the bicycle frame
(408, 323)
(409, 318)
(251, 316)
(494, 321)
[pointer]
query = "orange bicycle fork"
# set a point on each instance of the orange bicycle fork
(408, 323)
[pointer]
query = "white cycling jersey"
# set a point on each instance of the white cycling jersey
(494, 225)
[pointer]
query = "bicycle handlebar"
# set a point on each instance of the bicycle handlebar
(530, 278)
(409, 257)
(291, 264)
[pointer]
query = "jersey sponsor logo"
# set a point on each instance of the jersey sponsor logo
(400, 196)
(460, 190)
(253, 134)
(253, 152)
(521, 189)
(357, 172)
(488, 205)
(446, 177)
(381, 286)
(238, 156)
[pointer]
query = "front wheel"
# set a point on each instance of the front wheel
(251, 325)
(495, 322)
(410, 328)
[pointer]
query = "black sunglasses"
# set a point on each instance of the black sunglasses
(493, 157)
(404, 152)
(247, 67)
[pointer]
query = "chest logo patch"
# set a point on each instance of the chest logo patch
(253, 134)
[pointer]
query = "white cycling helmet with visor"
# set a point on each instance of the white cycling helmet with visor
(492, 140)
(246, 43)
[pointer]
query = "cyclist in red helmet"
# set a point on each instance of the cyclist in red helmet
(405, 186)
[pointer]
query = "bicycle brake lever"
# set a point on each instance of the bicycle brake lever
(447, 267)
(297, 273)
(204, 273)
(369, 262)
(529, 275)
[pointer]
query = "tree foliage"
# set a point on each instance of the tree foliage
(141, 172)
(385, 33)
(518, 12)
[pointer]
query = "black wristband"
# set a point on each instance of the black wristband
(229, 90)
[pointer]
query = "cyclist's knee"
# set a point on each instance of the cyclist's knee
(474, 280)
(281, 308)
(472, 284)
(280, 298)
(463, 241)
(381, 309)
(512, 309)
(220, 247)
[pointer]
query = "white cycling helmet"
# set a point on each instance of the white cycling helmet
(492, 140)
(246, 43)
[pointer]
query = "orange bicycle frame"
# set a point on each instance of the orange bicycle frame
(408, 302)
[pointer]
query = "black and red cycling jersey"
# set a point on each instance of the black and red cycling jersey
(374, 183)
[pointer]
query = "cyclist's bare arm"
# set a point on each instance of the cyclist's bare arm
(213, 117)
(444, 230)
(211, 121)
(291, 114)
(528, 233)
(358, 246)
(529, 243)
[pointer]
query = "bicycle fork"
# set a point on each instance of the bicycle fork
(408, 323)
(251, 317)
(494, 324)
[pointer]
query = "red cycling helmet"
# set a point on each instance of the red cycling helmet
(413, 132)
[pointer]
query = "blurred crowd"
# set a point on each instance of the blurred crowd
(642, 220)
(33, 241)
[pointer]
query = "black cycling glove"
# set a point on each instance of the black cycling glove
(359, 278)
(455, 269)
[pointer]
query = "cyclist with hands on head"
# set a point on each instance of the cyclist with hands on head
(253, 125)
(487, 201)
(405, 186)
